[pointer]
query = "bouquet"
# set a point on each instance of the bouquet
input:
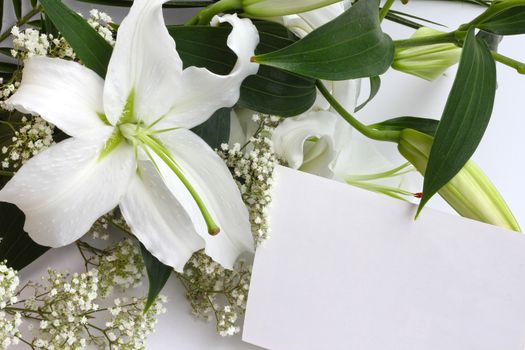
(150, 146)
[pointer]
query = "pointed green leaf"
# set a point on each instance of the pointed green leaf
(375, 85)
(158, 275)
(216, 130)
(16, 246)
(1, 13)
(508, 22)
(89, 46)
(465, 117)
(8, 67)
(349, 47)
(48, 25)
(17, 7)
(424, 125)
(271, 91)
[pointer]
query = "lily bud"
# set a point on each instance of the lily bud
(270, 8)
(429, 61)
(470, 192)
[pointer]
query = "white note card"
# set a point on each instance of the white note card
(351, 270)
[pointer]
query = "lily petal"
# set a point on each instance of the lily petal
(65, 189)
(314, 134)
(158, 219)
(144, 68)
(62, 92)
(213, 182)
(202, 92)
(319, 157)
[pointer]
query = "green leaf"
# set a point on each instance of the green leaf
(424, 125)
(349, 47)
(17, 7)
(465, 117)
(375, 85)
(508, 22)
(216, 130)
(271, 91)
(16, 246)
(1, 13)
(8, 67)
(158, 275)
(89, 46)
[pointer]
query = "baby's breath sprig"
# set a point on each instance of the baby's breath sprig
(33, 136)
(69, 308)
(214, 290)
(252, 166)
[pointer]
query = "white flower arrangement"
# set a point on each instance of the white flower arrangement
(126, 127)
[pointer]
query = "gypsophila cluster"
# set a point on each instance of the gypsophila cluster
(30, 42)
(99, 230)
(33, 136)
(121, 266)
(7, 90)
(101, 21)
(214, 290)
(72, 311)
(9, 321)
(129, 326)
(252, 167)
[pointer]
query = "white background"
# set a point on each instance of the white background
(500, 154)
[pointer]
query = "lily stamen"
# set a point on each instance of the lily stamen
(130, 131)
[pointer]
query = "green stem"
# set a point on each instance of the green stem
(517, 65)
(21, 22)
(400, 170)
(493, 10)
(381, 135)
(455, 37)
(166, 157)
(385, 9)
(7, 173)
(204, 16)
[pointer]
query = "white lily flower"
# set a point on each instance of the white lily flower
(131, 146)
(312, 141)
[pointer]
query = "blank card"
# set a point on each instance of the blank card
(350, 269)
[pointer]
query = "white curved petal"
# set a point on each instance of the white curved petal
(65, 189)
(144, 61)
(62, 92)
(347, 92)
(301, 139)
(319, 157)
(213, 182)
(321, 16)
(202, 92)
(158, 219)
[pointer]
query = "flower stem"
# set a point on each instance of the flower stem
(517, 65)
(7, 173)
(385, 9)
(205, 15)
(157, 147)
(381, 135)
(455, 37)
(23, 20)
